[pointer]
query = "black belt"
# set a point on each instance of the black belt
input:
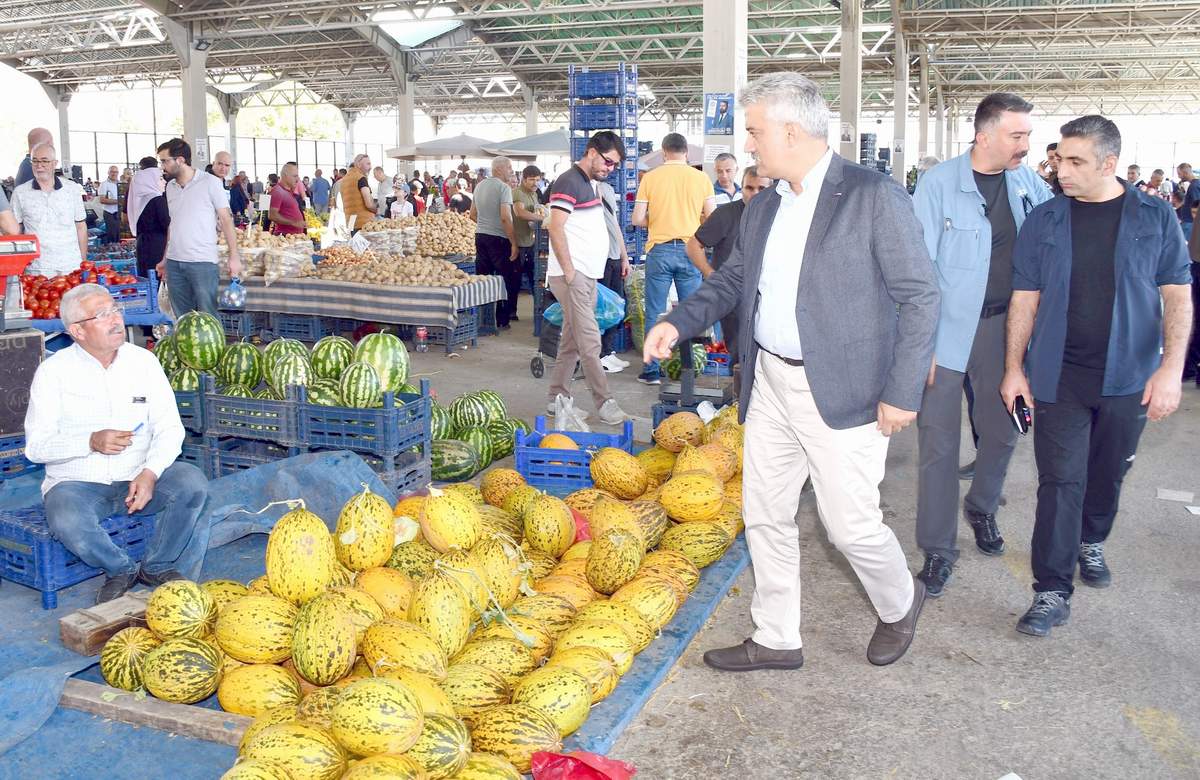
(992, 311)
(788, 360)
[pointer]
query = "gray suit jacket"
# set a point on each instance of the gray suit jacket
(867, 304)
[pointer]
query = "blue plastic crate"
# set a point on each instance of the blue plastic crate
(615, 115)
(401, 424)
(624, 179)
(140, 297)
(622, 339)
(231, 455)
(718, 364)
(585, 83)
(31, 556)
(467, 265)
(409, 472)
(487, 319)
(251, 418)
(664, 409)
(13, 462)
(579, 146)
(195, 452)
(563, 471)
(465, 332)
(190, 404)
(243, 324)
(303, 327)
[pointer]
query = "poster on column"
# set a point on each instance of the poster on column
(718, 113)
(200, 152)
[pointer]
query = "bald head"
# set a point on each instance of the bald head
(221, 164)
(38, 135)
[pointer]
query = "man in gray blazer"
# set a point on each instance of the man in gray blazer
(836, 341)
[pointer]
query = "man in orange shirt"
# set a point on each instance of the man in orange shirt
(672, 201)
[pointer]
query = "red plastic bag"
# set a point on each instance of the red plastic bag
(583, 531)
(579, 765)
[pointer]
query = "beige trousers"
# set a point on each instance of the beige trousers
(786, 442)
(580, 338)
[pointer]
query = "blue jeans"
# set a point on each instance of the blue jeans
(666, 263)
(193, 287)
(74, 511)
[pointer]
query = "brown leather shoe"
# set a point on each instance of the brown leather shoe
(891, 640)
(750, 655)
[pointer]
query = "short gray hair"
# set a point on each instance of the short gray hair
(500, 163)
(723, 156)
(44, 145)
(790, 97)
(71, 305)
(1103, 132)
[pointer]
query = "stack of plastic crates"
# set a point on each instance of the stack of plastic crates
(607, 100)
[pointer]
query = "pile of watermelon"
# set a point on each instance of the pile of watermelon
(673, 368)
(470, 434)
(337, 372)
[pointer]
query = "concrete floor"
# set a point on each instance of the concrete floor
(1113, 694)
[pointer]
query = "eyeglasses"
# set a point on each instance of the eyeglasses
(39, 161)
(609, 162)
(107, 314)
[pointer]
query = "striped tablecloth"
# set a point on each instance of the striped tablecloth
(430, 306)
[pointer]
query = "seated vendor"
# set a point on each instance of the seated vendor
(102, 417)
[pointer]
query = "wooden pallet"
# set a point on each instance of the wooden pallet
(86, 630)
(186, 719)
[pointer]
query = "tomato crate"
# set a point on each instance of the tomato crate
(718, 364)
(465, 332)
(402, 423)
(31, 556)
(563, 471)
(303, 327)
(13, 462)
(243, 324)
(140, 297)
(190, 404)
(251, 418)
(231, 455)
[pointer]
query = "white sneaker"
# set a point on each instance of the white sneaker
(611, 364)
(622, 363)
(611, 414)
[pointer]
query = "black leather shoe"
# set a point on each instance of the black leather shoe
(1050, 608)
(935, 574)
(116, 586)
(750, 656)
(1092, 568)
(891, 640)
(154, 579)
(967, 471)
(987, 535)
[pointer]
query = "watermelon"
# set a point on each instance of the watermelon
(503, 434)
(185, 380)
(453, 460)
(521, 425)
(240, 364)
(287, 370)
(325, 392)
(440, 425)
(469, 411)
(277, 349)
(168, 356)
(124, 654)
(331, 355)
(495, 404)
(268, 393)
(199, 340)
(360, 386)
(387, 355)
(481, 440)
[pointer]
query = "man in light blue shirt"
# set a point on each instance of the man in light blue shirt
(320, 193)
(970, 209)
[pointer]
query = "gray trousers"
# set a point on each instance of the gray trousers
(939, 431)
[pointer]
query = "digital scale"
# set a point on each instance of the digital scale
(687, 392)
(16, 253)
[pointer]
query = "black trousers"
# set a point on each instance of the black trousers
(613, 281)
(491, 259)
(112, 227)
(1191, 366)
(1084, 445)
(527, 258)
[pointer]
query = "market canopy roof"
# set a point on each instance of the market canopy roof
(555, 142)
(462, 145)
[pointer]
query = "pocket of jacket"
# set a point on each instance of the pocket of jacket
(959, 248)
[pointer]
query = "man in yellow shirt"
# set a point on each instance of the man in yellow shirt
(672, 201)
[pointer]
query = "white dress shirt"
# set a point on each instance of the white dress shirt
(73, 396)
(775, 327)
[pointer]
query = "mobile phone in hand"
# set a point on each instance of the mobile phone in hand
(1021, 417)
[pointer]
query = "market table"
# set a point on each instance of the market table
(429, 306)
(148, 319)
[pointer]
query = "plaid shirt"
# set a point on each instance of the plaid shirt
(73, 396)
(52, 215)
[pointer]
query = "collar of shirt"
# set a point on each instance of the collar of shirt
(810, 185)
(718, 191)
(57, 183)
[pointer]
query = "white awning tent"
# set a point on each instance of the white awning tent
(553, 143)
(654, 159)
(456, 146)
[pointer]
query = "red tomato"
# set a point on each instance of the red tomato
(87, 265)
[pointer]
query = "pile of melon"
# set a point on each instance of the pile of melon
(450, 636)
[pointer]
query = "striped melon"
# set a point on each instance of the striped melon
(386, 767)
(182, 670)
(443, 746)
(240, 364)
(277, 349)
(679, 429)
(449, 520)
(414, 558)
(316, 708)
(553, 611)
(185, 380)
(504, 437)
(577, 551)
(255, 688)
(678, 587)
(702, 543)
(608, 513)
(440, 607)
(525, 630)
(657, 461)
(287, 370)
(168, 355)
(224, 592)
(692, 496)
(485, 766)
(358, 606)
(466, 570)
(300, 557)
(453, 460)
(391, 589)
(500, 565)
(557, 441)
(730, 518)
(481, 441)
(466, 490)
(640, 633)
(433, 699)
(576, 567)
(123, 656)
(584, 499)
(673, 563)
(257, 629)
(519, 499)
(259, 586)
(398, 644)
(549, 525)
(251, 769)
(285, 714)
(593, 664)
(515, 732)
(602, 635)
(305, 752)
(409, 506)
(376, 716)
(440, 424)
(325, 392)
(199, 340)
(733, 490)
(364, 534)
(540, 563)
(613, 559)
(330, 356)
(618, 472)
(180, 608)
(720, 460)
(561, 693)
(654, 599)
(387, 355)
(577, 590)
(469, 411)
(652, 520)
(495, 520)
(472, 689)
(509, 658)
(361, 387)
(323, 646)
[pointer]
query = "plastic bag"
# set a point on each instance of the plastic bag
(233, 297)
(610, 309)
(164, 300)
(579, 765)
(567, 417)
(635, 293)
